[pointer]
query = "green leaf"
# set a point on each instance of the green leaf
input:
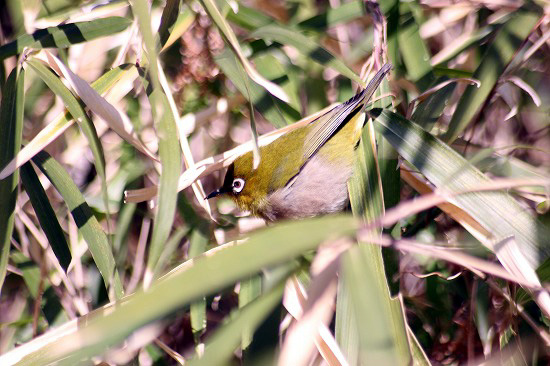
(386, 154)
(428, 111)
(509, 167)
(65, 35)
(87, 224)
(498, 212)
(182, 23)
(76, 108)
(16, 9)
(170, 157)
(168, 19)
(346, 326)
(11, 129)
(249, 291)
(170, 247)
(375, 322)
(414, 52)
(364, 187)
(220, 347)
(54, 129)
(124, 220)
(494, 62)
(197, 246)
(452, 73)
(418, 355)
(169, 149)
(30, 271)
(46, 215)
(474, 39)
(249, 18)
(270, 107)
(334, 16)
(390, 9)
(231, 40)
(110, 325)
(275, 65)
(379, 321)
(305, 46)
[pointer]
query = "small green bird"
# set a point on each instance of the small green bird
(303, 173)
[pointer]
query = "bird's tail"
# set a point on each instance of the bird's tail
(326, 125)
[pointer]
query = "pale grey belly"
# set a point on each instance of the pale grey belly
(320, 188)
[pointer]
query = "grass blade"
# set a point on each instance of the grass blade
(232, 41)
(117, 120)
(276, 65)
(123, 73)
(249, 18)
(169, 150)
(376, 344)
(494, 62)
(375, 184)
(305, 46)
(85, 220)
(46, 215)
(11, 129)
(197, 246)
(188, 282)
(461, 44)
(498, 212)
(79, 114)
(334, 16)
(181, 25)
(65, 35)
(220, 346)
(414, 52)
(367, 201)
(270, 107)
(428, 111)
(250, 290)
(168, 19)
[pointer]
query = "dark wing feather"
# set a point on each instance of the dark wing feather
(326, 125)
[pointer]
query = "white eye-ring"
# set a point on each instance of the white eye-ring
(238, 185)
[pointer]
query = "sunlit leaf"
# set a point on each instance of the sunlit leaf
(264, 102)
(496, 58)
(65, 35)
(414, 52)
(232, 41)
(169, 150)
(190, 281)
(305, 46)
(53, 130)
(85, 220)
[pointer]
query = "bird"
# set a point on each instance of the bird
(303, 173)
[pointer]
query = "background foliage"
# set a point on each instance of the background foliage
(117, 116)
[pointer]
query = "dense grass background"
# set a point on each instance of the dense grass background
(116, 117)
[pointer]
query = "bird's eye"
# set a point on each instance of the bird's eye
(238, 185)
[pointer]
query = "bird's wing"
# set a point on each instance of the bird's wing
(326, 125)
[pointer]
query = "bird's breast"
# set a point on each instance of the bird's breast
(319, 188)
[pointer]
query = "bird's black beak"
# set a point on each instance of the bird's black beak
(213, 194)
(226, 187)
